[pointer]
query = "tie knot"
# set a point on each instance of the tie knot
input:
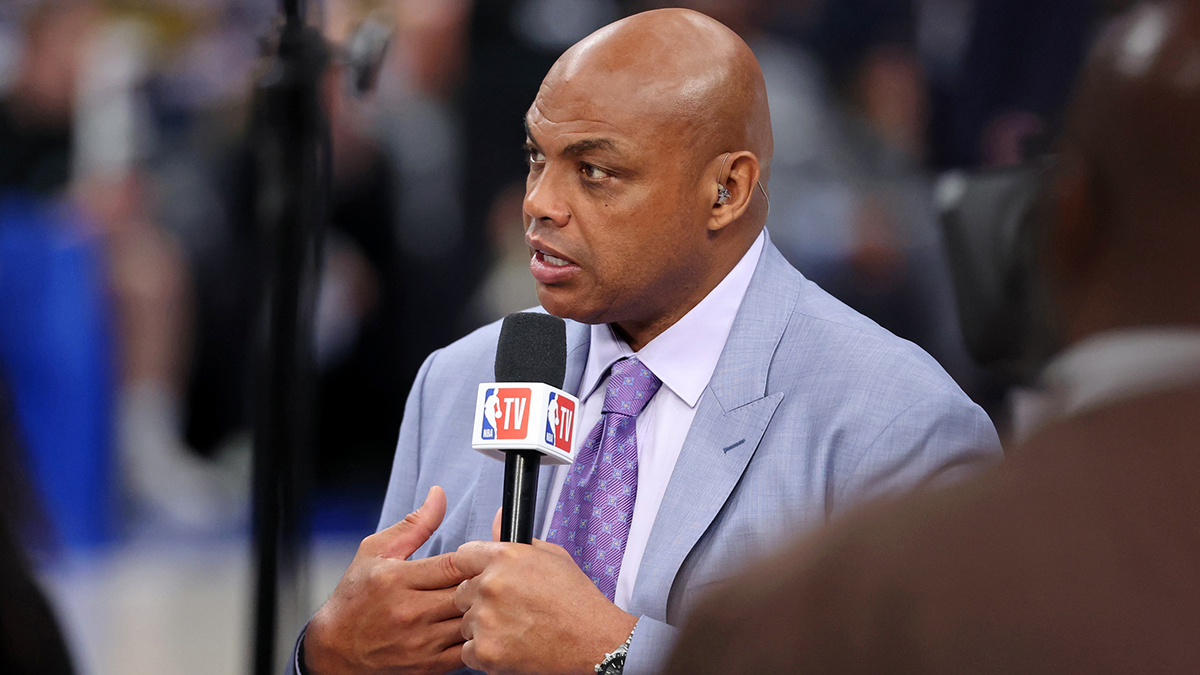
(631, 385)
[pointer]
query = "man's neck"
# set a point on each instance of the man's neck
(1121, 294)
(639, 333)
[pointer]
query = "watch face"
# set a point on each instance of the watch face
(616, 665)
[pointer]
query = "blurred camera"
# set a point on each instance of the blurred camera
(992, 221)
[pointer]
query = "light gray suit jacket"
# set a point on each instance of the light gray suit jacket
(812, 408)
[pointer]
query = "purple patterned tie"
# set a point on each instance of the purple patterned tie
(592, 517)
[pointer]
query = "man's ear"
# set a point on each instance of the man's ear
(739, 175)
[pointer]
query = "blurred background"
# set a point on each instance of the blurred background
(132, 272)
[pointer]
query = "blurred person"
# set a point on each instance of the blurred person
(165, 481)
(394, 231)
(55, 339)
(360, 311)
(74, 127)
(36, 110)
(778, 407)
(1079, 554)
(420, 125)
(883, 255)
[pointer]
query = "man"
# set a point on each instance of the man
(1079, 554)
(729, 401)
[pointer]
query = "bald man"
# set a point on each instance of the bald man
(1081, 553)
(726, 402)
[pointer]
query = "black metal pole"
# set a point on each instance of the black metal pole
(295, 11)
(290, 134)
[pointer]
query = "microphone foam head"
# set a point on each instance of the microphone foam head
(532, 348)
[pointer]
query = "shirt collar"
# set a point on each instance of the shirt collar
(1112, 366)
(685, 355)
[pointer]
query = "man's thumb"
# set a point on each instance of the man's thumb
(405, 537)
(496, 525)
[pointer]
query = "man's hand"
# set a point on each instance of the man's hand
(531, 610)
(388, 614)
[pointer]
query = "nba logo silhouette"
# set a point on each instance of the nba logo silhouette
(505, 413)
(491, 408)
(560, 418)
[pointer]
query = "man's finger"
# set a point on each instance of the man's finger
(468, 655)
(405, 537)
(496, 524)
(473, 557)
(450, 632)
(450, 659)
(432, 573)
(464, 595)
(553, 548)
(437, 606)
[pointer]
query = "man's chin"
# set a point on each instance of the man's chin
(566, 305)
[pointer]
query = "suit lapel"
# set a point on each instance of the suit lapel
(489, 482)
(732, 417)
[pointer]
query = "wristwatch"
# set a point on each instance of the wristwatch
(614, 661)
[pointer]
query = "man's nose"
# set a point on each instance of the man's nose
(545, 199)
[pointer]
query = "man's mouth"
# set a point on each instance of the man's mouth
(551, 269)
(554, 260)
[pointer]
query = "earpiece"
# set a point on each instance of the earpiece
(722, 191)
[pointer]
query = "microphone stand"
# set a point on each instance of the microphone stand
(291, 142)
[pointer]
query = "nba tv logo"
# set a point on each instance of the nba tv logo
(505, 414)
(560, 418)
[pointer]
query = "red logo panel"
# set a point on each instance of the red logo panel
(512, 412)
(564, 423)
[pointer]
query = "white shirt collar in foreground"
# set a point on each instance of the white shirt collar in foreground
(1111, 366)
(685, 355)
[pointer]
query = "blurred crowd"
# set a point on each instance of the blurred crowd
(131, 267)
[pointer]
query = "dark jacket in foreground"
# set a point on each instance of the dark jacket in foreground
(1079, 554)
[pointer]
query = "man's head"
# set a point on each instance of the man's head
(43, 92)
(628, 137)
(1123, 246)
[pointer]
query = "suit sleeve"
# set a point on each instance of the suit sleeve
(934, 440)
(651, 645)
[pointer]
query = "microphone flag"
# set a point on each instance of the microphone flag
(525, 416)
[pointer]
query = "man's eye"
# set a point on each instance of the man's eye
(535, 157)
(592, 172)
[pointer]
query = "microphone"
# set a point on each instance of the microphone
(525, 416)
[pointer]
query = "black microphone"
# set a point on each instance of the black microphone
(532, 348)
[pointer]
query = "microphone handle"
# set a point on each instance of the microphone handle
(520, 495)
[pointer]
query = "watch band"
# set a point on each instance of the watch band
(614, 661)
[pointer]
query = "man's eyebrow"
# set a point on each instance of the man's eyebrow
(587, 145)
(578, 147)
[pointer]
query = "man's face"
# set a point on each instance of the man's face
(614, 215)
